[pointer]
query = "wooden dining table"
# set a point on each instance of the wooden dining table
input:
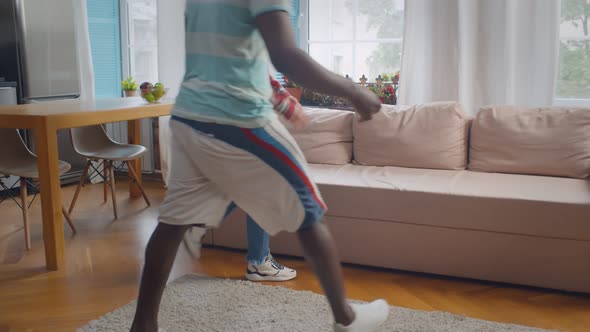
(45, 119)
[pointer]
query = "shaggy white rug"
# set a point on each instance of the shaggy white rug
(195, 303)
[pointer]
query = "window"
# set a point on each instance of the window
(355, 37)
(573, 84)
(124, 42)
(140, 41)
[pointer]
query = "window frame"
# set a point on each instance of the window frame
(304, 25)
(125, 54)
(305, 42)
(571, 102)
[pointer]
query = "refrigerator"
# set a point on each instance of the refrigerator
(38, 52)
(38, 49)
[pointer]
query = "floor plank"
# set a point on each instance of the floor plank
(104, 260)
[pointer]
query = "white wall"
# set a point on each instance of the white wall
(171, 47)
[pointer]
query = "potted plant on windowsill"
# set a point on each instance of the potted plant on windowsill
(292, 88)
(386, 93)
(129, 86)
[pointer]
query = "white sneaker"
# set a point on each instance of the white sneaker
(368, 317)
(193, 239)
(270, 270)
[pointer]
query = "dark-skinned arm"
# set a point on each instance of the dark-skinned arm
(287, 58)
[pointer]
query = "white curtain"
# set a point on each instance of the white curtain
(171, 63)
(83, 50)
(480, 52)
(85, 67)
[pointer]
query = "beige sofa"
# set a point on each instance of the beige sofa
(437, 214)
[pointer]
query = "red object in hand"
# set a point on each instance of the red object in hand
(288, 106)
(281, 101)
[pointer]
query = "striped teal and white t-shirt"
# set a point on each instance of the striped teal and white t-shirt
(227, 63)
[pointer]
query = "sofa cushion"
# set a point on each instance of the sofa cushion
(545, 141)
(328, 137)
(520, 204)
(425, 136)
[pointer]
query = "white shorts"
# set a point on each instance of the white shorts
(262, 170)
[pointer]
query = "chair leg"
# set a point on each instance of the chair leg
(134, 177)
(69, 220)
(80, 184)
(113, 191)
(25, 204)
(105, 176)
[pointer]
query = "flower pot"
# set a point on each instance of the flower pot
(295, 92)
(131, 93)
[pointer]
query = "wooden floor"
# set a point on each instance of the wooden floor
(105, 258)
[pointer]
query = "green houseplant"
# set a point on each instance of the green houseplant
(129, 86)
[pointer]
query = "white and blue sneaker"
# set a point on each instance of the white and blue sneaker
(270, 270)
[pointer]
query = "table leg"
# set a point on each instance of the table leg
(134, 137)
(53, 232)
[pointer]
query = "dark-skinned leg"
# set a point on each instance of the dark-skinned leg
(159, 258)
(320, 251)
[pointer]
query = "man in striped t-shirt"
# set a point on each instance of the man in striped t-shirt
(229, 146)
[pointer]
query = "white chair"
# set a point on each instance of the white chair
(94, 144)
(18, 160)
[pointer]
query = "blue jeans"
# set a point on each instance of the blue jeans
(258, 246)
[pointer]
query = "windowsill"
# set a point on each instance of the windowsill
(571, 102)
